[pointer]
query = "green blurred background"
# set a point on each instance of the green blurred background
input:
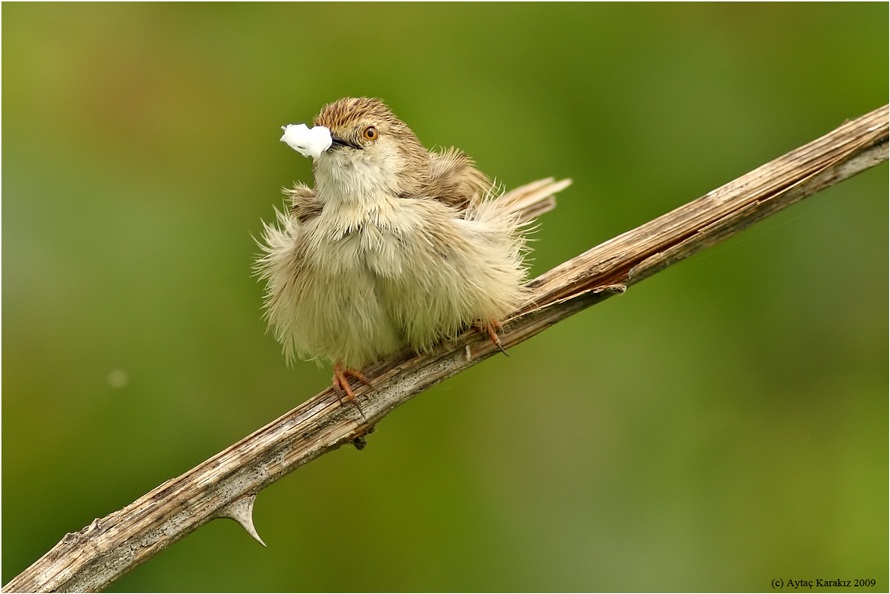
(722, 424)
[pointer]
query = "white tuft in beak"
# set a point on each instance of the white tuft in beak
(309, 142)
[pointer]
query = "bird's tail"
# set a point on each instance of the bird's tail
(533, 199)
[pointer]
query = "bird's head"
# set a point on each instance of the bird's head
(371, 150)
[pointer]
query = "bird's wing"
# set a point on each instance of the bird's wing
(453, 179)
(303, 203)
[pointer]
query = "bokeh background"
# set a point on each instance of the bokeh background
(722, 424)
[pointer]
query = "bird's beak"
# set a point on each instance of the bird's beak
(337, 141)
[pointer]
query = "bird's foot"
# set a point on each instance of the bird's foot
(491, 328)
(341, 383)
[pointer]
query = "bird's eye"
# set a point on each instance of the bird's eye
(370, 133)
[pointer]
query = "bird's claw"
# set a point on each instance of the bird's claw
(341, 384)
(491, 328)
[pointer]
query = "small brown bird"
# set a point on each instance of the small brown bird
(395, 246)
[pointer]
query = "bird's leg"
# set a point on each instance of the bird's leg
(491, 328)
(341, 381)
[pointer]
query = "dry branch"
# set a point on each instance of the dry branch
(226, 484)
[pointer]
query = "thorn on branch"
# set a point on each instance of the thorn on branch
(241, 510)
